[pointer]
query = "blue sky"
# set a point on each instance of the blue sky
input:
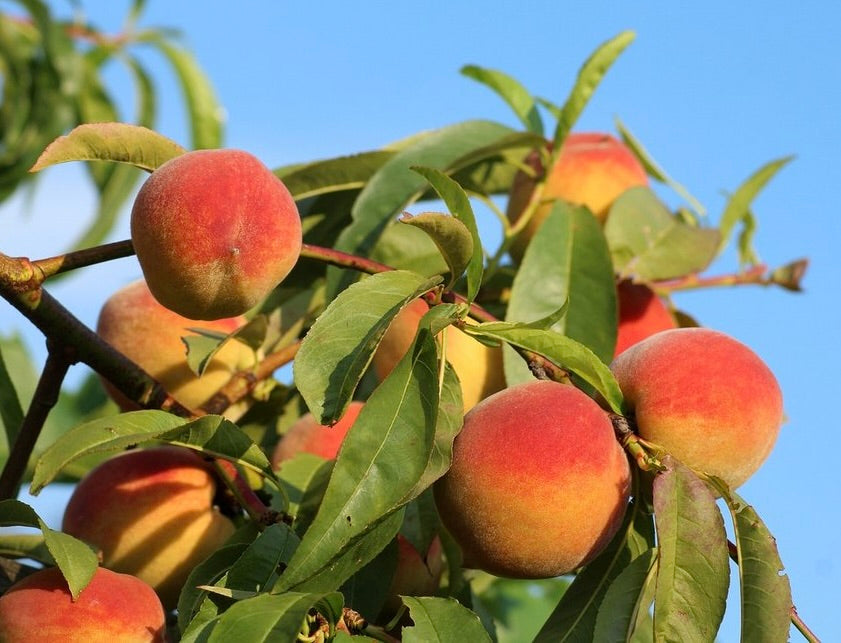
(713, 90)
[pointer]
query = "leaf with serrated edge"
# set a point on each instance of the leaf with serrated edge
(383, 456)
(76, 560)
(766, 591)
(565, 352)
(694, 567)
(647, 241)
(624, 599)
(574, 618)
(511, 91)
(341, 343)
(589, 77)
(450, 235)
(442, 620)
(457, 202)
(118, 142)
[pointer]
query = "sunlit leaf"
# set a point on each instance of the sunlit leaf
(450, 235)
(442, 620)
(511, 91)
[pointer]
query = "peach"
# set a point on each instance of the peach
(150, 512)
(479, 367)
(214, 231)
(134, 323)
(113, 607)
(705, 398)
(538, 485)
(416, 574)
(592, 169)
(641, 314)
(306, 435)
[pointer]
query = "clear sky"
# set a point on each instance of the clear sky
(713, 90)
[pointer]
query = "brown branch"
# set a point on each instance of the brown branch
(788, 276)
(59, 359)
(83, 258)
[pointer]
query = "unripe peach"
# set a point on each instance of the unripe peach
(592, 169)
(112, 608)
(306, 435)
(479, 367)
(705, 398)
(134, 323)
(150, 512)
(538, 484)
(641, 314)
(215, 231)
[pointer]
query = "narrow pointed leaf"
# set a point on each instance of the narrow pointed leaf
(116, 142)
(394, 185)
(738, 206)
(340, 344)
(387, 451)
(624, 599)
(76, 560)
(694, 567)
(458, 204)
(574, 619)
(451, 237)
(511, 91)
(654, 170)
(647, 241)
(589, 77)
(332, 175)
(442, 620)
(563, 351)
(567, 262)
(766, 591)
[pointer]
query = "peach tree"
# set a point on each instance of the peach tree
(395, 307)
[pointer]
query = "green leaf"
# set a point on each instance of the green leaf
(332, 175)
(766, 592)
(205, 113)
(511, 91)
(394, 185)
(654, 170)
(408, 248)
(303, 477)
(75, 559)
(257, 568)
(205, 343)
(442, 619)
(211, 434)
(116, 142)
(209, 572)
(272, 617)
(694, 568)
(589, 77)
(382, 458)
(563, 351)
(568, 262)
(646, 240)
(738, 206)
(574, 618)
(340, 344)
(458, 204)
(450, 235)
(624, 600)
(25, 546)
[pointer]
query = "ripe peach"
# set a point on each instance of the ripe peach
(705, 398)
(479, 367)
(134, 323)
(641, 314)
(215, 231)
(308, 436)
(113, 607)
(150, 512)
(538, 484)
(593, 169)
